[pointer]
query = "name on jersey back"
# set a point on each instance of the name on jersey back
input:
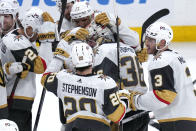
(78, 89)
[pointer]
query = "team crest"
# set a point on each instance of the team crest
(103, 77)
(18, 37)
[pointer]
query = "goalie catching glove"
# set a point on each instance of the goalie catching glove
(142, 55)
(77, 34)
(47, 29)
(19, 68)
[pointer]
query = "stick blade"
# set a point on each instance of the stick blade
(157, 15)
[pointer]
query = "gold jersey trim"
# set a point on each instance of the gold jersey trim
(23, 98)
(60, 51)
(166, 95)
(3, 106)
(89, 117)
(117, 114)
(39, 66)
(177, 119)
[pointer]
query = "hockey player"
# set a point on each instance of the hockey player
(131, 76)
(9, 11)
(102, 30)
(7, 125)
(20, 59)
(3, 95)
(66, 24)
(171, 96)
(90, 101)
(84, 16)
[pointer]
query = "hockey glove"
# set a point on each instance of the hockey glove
(64, 34)
(124, 96)
(103, 19)
(142, 55)
(77, 34)
(47, 30)
(21, 69)
(133, 95)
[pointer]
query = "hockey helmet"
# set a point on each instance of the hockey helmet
(59, 3)
(160, 31)
(9, 7)
(81, 10)
(32, 18)
(82, 55)
(7, 125)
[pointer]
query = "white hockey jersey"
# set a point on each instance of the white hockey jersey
(131, 72)
(14, 48)
(171, 96)
(91, 97)
(61, 57)
(3, 95)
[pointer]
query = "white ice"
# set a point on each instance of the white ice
(49, 119)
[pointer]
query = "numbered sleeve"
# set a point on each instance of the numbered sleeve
(163, 93)
(38, 65)
(61, 50)
(113, 107)
(50, 82)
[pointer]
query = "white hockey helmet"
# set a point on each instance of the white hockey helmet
(32, 18)
(59, 3)
(81, 10)
(160, 31)
(7, 125)
(9, 7)
(82, 55)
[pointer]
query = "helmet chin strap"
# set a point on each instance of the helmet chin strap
(29, 37)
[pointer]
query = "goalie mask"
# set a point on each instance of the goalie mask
(33, 19)
(160, 31)
(82, 55)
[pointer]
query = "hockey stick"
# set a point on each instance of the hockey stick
(159, 14)
(134, 117)
(64, 3)
(194, 82)
(39, 109)
(10, 100)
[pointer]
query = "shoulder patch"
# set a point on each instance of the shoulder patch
(104, 77)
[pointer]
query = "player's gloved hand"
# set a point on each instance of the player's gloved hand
(124, 95)
(47, 30)
(104, 19)
(77, 34)
(64, 34)
(142, 55)
(19, 68)
(133, 95)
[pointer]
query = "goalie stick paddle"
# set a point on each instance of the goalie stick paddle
(150, 20)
